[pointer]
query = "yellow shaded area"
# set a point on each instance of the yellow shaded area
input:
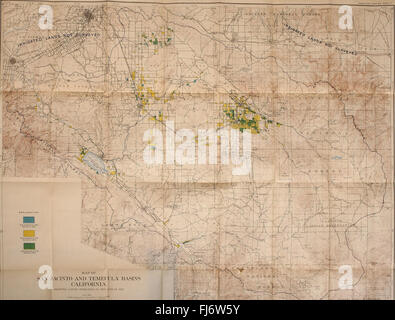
(28, 233)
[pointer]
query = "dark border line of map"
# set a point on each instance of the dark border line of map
(200, 3)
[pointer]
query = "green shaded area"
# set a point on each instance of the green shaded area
(241, 116)
(159, 40)
(29, 246)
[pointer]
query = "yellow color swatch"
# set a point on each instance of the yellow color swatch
(28, 233)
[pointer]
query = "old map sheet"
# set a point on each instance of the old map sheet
(210, 150)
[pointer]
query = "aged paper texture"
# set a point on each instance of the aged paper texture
(174, 150)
